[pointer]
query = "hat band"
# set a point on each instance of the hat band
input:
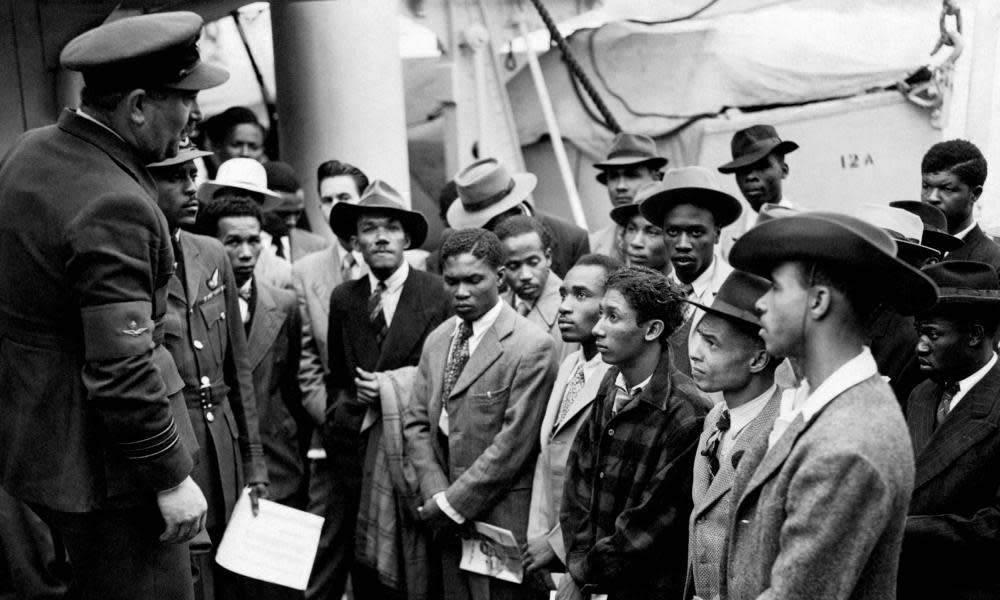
(899, 236)
(154, 70)
(766, 145)
(629, 154)
(968, 293)
(481, 203)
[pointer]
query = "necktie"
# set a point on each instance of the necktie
(179, 262)
(622, 398)
(279, 248)
(944, 406)
(376, 315)
(458, 355)
(569, 397)
(711, 451)
(523, 308)
(347, 267)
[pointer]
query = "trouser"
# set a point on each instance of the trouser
(335, 555)
(116, 554)
(36, 562)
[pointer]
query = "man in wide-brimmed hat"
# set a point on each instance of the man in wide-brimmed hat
(377, 325)
(642, 242)
(822, 515)
(488, 194)
(952, 530)
(691, 209)
(728, 357)
(760, 169)
(935, 225)
(632, 162)
(87, 434)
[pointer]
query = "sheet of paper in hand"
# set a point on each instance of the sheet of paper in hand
(491, 551)
(277, 546)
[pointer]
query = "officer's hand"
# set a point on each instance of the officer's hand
(183, 509)
(367, 386)
(536, 554)
(257, 491)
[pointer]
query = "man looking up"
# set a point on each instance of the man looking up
(692, 210)
(949, 544)
(952, 178)
(727, 356)
(532, 287)
(628, 482)
(568, 408)
(821, 511)
(472, 427)
(87, 435)
(632, 162)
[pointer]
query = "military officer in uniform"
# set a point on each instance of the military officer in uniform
(87, 434)
(206, 338)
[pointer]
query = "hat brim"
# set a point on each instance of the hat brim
(182, 157)
(621, 215)
(460, 218)
(911, 252)
(728, 311)
(948, 296)
(344, 221)
(209, 188)
(943, 242)
(724, 207)
(654, 162)
(202, 77)
(783, 147)
(812, 237)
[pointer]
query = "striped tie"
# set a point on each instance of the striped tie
(375, 314)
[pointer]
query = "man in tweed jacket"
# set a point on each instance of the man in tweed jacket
(727, 356)
(822, 514)
(628, 482)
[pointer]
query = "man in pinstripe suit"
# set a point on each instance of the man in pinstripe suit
(728, 356)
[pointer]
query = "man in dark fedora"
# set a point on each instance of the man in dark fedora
(952, 175)
(377, 325)
(87, 435)
(820, 510)
(760, 169)
(691, 209)
(728, 357)
(642, 242)
(935, 225)
(892, 336)
(631, 162)
(951, 535)
(488, 194)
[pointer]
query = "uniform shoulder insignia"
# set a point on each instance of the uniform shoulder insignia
(213, 281)
(134, 330)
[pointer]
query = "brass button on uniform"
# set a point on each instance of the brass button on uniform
(198, 345)
(209, 417)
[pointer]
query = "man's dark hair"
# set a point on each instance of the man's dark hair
(609, 264)
(281, 177)
(447, 195)
(228, 202)
(960, 157)
(218, 126)
(651, 295)
(521, 225)
(480, 243)
(334, 168)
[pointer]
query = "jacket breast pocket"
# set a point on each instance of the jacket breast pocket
(213, 314)
(486, 411)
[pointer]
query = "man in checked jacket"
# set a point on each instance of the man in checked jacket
(628, 483)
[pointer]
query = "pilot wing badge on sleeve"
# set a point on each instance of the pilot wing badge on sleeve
(134, 330)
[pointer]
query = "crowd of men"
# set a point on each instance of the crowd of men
(698, 401)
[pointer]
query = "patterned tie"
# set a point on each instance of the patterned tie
(944, 406)
(458, 355)
(376, 315)
(347, 267)
(569, 397)
(711, 451)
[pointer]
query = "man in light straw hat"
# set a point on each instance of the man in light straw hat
(631, 162)
(88, 435)
(376, 331)
(950, 540)
(246, 177)
(691, 209)
(728, 357)
(820, 512)
(212, 359)
(488, 194)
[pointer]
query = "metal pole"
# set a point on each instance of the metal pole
(553, 126)
(982, 73)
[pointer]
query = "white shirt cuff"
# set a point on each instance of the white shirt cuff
(447, 509)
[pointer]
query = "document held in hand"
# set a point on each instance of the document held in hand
(492, 551)
(277, 546)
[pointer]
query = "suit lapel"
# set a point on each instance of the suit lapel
(488, 350)
(973, 419)
(775, 457)
(558, 391)
(702, 472)
(408, 323)
(363, 334)
(549, 301)
(267, 320)
(588, 394)
(921, 415)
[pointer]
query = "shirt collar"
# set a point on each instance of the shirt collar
(484, 322)
(394, 282)
(703, 282)
(961, 234)
(969, 382)
(93, 120)
(637, 389)
(245, 288)
(741, 416)
(850, 374)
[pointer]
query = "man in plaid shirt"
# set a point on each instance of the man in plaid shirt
(628, 483)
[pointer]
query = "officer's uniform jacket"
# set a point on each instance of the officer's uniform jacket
(204, 333)
(85, 256)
